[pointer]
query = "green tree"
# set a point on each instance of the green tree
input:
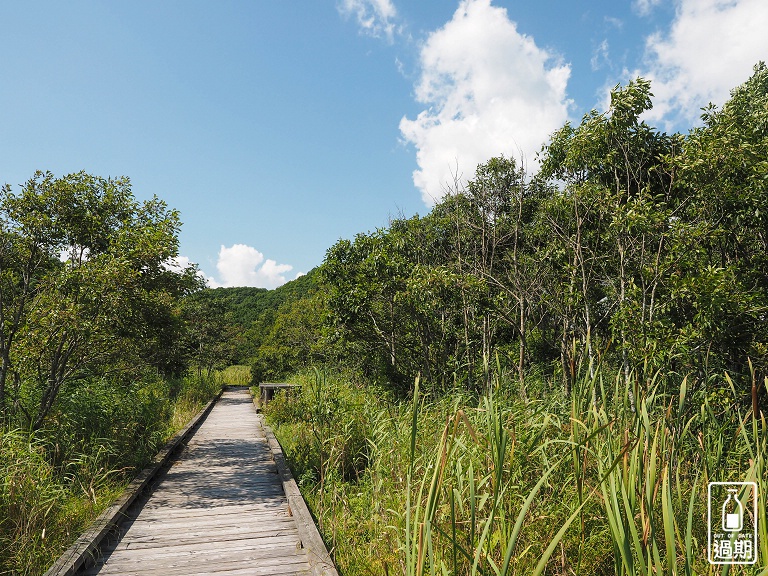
(612, 219)
(85, 286)
(295, 339)
(366, 278)
(211, 337)
(723, 170)
(504, 207)
(633, 247)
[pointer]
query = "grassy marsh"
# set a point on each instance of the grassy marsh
(599, 482)
(55, 481)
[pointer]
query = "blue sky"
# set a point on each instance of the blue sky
(276, 128)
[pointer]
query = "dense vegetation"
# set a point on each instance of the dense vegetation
(249, 305)
(541, 374)
(95, 348)
(591, 346)
(248, 325)
(629, 248)
(511, 484)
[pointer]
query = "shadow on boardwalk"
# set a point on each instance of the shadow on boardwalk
(219, 508)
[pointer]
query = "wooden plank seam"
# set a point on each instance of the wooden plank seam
(319, 559)
(86, 545)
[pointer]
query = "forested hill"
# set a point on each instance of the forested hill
(254, 326)
(245, 305)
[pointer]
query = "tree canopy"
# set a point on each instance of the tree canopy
(85, 287)
(631, 247)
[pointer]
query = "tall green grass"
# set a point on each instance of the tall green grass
(654, 463)
(55, 481)
(237, 375)
(499, 484)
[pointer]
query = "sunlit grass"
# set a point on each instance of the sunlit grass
(589, 484)
(235, 375)
(54, 482)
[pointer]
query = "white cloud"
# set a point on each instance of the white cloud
(241, 265)
(181, 263)
(489, 90)
(600, 56)
(178, 264)
(709, 49)
(375, 17)
(645, 7)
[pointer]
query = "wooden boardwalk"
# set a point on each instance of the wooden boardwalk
(220, 508)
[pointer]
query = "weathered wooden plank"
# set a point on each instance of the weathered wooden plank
(255, 562)
(265, 507)
(143, 539)
(85, 546)
(319, 558)
(240, 520)
(221, 508)
(287, 546)
(159, 547)
(256, 556)
(202, 557)
(249, 568)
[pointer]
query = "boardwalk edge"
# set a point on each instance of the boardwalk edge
(319, 559)
(85, 546)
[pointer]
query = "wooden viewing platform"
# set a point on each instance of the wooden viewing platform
(226, 505)
(267, 390)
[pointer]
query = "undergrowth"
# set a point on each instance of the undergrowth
(55, 481)
(609, 480)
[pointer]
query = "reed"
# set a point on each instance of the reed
(55, 481)
(599, 482)
(472, 517)
(653, 466)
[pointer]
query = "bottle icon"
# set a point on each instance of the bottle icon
(733, 512)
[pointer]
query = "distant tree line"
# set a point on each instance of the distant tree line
(266, 329)
(629, 247)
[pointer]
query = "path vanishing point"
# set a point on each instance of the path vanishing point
(222, 507)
